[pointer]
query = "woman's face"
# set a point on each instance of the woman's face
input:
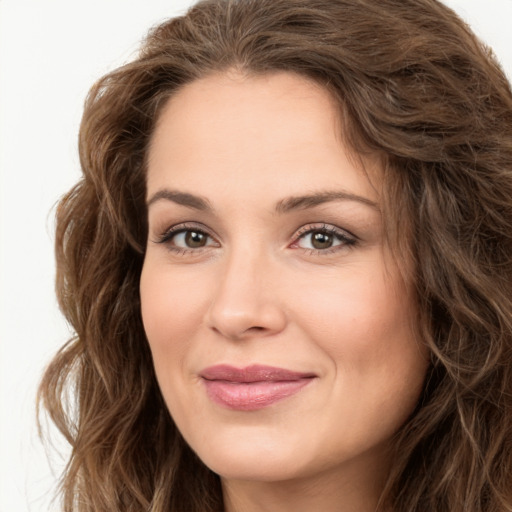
(281, 332)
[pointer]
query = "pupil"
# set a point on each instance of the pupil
(321, 240)
(195, 239)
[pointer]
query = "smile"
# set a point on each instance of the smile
(253, 387)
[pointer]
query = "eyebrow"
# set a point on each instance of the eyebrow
(182, 198)
(316, 199)
(283, 206)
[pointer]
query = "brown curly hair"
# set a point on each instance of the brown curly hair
(416, 86)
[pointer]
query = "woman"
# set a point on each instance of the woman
(288, 267)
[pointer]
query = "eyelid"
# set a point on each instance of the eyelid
(348, 238)
(173, 230)
(322, 226)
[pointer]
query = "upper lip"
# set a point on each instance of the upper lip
(253, 373)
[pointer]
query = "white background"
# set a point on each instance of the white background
(51, 51)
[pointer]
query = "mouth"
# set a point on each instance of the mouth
(253, 387)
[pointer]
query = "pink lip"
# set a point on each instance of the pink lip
(253, 387)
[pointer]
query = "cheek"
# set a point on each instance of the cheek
(364, 323)
(171, 311)
(354, 310)
(170, 315)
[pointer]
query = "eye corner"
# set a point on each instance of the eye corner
(186, 237)
(330, 238)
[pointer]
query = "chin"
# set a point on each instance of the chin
(253, 456)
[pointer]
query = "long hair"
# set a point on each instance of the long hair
(413, 85)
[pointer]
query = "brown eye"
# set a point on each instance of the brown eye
(194, 239)
(187, 239)
(321, 240)
(324, 239)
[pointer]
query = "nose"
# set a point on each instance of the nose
(246, 302)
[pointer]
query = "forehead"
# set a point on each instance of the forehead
(282, 129)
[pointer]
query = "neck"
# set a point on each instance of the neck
(339, 490)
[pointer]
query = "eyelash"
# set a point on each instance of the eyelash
(346, 238)
(172, 232)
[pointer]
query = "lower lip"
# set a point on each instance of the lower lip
(251, 396)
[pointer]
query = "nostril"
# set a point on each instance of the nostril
(250, 316)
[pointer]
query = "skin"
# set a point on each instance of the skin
(259, 290)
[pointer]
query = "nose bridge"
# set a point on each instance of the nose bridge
(245, 302)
